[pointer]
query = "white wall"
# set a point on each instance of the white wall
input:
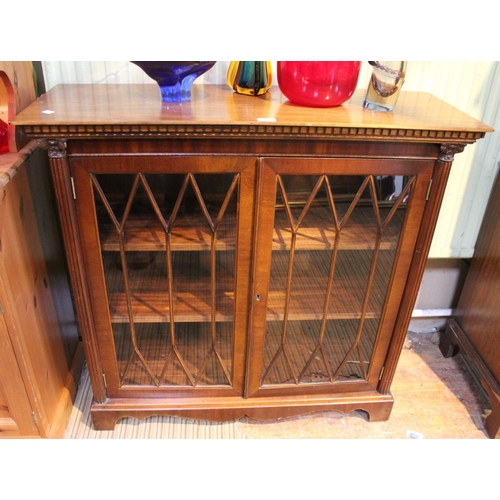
(471, 86)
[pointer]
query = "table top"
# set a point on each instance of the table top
(76, 109)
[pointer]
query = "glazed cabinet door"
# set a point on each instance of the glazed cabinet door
(167, 251)
(335, 238)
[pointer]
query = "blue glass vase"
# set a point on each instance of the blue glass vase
(175, 78)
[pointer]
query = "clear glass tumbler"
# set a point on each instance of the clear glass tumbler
(385, 85)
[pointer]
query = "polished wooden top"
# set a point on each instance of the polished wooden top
(215, 110)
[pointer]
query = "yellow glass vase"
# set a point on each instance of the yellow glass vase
(250, 77)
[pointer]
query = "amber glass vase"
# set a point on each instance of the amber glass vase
(250, 77)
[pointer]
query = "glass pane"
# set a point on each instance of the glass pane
(335, 244)
(168, 250)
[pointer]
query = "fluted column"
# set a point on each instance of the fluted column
(435, 196)
(67, 216)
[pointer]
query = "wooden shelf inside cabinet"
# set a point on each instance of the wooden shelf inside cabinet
(318, 231)
(149, 293)
(307, 294)
(187, 234)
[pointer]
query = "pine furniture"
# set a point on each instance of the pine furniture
(41, 355)
(235, 255)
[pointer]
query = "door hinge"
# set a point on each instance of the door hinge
(428, 194)
(381, 373)
(34, 418)
(104, 381)
(73, 187)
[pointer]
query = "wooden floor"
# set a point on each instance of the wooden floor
(435, 398)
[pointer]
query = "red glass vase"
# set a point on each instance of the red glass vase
(4, 137)
(320, 84)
